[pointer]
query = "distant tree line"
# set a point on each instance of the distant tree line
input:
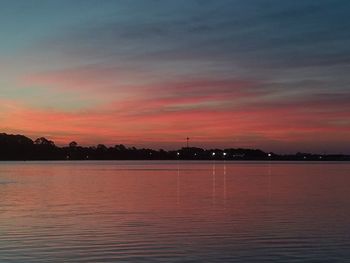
(19, 147)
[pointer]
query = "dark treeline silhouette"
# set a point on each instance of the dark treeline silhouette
(19, 147)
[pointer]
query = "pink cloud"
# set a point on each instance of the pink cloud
(112, 125)
(93, 79)
(232, 111)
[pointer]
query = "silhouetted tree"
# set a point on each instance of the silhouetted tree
(19, 147)
(44, 141)
(120, 147)
(15, 147)
(73, 144)
(101, 147)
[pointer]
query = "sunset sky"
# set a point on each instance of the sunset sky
(266, 74)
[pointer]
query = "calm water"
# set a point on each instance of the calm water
(174, 212)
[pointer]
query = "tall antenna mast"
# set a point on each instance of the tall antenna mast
(187, 139)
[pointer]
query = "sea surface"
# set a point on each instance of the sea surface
(174, 211)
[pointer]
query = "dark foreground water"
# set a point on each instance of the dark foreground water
(174, 212)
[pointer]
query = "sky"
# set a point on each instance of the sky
(266, 74)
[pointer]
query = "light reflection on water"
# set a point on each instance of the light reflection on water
(174, 211)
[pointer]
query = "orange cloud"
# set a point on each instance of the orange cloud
(229, 112)
(157, 124)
